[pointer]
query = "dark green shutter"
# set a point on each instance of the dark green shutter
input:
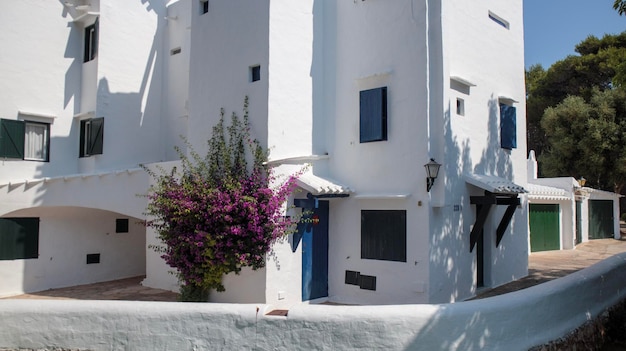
(508, 127)
(373, 115)
(12, 138)
(601, 221)
(544, 227)
(96, 137)
(19, 238)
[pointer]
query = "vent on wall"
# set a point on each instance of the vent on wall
(352, 277)
(175, 51)
(366, 282)
(93, 258)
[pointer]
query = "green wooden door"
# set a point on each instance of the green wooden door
(544, 227)
(600, 219)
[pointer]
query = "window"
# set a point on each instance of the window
(91, 136)
(508, 128)
(121, 225)
(36, 141)
(91, 42)
(19, 238)
(460, 107)
(499, 20)
(175, 51)
(24, 140)
(255, 73)
(383, 235)
(204, 6)
(373, 115)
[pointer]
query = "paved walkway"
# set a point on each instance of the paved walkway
(543, 266)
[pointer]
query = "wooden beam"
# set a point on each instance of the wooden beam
(504, 223)
(477, 230)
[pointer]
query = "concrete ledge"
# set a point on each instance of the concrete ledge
(515, 321)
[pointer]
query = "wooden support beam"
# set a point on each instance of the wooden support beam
(477, 230)
(504, 223)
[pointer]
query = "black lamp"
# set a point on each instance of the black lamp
(432, 171)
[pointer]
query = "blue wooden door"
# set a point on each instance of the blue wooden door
(315, 254)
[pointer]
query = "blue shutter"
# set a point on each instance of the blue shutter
(11, 138)
(508, 127)
(373, 115)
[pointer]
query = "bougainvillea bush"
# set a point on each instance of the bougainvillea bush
(219, 213)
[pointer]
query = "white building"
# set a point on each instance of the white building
(367, 92)
(563, 213)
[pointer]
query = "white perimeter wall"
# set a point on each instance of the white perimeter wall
(514, 321)
(66, 236)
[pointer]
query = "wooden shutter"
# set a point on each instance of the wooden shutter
(383, 235)
(11, 138)
(19, 238)
(373, 115)
(96, 136)
(508, 127)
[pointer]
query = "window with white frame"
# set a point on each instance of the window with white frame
(36, 140)
(25, 140)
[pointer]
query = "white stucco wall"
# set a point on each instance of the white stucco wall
(66, 236)
(514, 321)
(50, 85)
(290, 96)
(489, 58)
(225, 43)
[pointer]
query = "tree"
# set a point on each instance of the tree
(588, 138)
(218, 214)
(600, 64)
(620, 6)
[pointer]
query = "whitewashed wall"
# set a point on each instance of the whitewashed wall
(366, 41)
(514, 321)
(490, 58)
(50, 85)
(225, 43)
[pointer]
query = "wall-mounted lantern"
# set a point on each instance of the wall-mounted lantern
(582, 181)
(432, 171)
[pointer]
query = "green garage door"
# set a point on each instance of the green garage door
(544, 227)
(600, 219)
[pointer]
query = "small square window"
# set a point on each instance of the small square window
(255, 73)
(121, 225)
(460, 107)
(204, 6)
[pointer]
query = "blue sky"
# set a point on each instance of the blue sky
(552, 28)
